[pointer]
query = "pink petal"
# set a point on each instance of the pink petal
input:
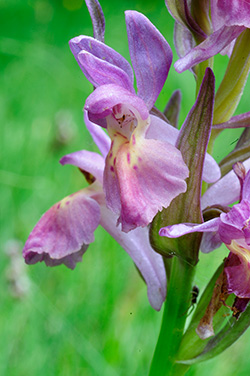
(64, 231)
(218, 20)
(238, 275)
(146, 177)
(181, 229)
(211, 169)
(87, 161)
(151, 56)
(149, 263)
(210, 241)
(234, 12)
(225, 191)
(211, 46)
(183, 40)
(160, 130)
(99, 136)
(238, 121)
(101, 72)
(246, 187)
(233, 223)
(100, 103)
(101, 51)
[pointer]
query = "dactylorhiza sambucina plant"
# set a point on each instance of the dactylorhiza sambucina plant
(148, 187)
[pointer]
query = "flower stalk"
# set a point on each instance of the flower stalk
(173, 320)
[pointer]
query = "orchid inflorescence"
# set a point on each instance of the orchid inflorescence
(156, 188)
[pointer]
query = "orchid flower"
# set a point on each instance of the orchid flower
(229, 19)
(64, 232)
(230, 228)
(142, 175)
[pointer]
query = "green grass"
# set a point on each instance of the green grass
(95, 320)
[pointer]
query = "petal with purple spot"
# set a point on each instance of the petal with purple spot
(147, 176)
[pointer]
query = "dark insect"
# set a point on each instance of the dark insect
(194, 295)
(193, 299)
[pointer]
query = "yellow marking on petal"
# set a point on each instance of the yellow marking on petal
(64, 202)
(239, 250)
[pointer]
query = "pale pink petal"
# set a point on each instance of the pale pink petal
(64, 230)
(246, 187)
(149, 263)
(183, 39)
(160, 130)
(211, 170)
(100, 138)
(224, 192)
(87, 161)
(175, 231)
(210, 241)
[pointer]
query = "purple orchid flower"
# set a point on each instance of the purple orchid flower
(231, 228)
(64, 232)
(229, 19)
(141, 175)
(144, 172)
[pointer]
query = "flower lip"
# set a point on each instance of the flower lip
(145, 176)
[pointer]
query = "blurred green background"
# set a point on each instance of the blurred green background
(95, 320)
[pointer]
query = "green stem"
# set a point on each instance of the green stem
(173, 321)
